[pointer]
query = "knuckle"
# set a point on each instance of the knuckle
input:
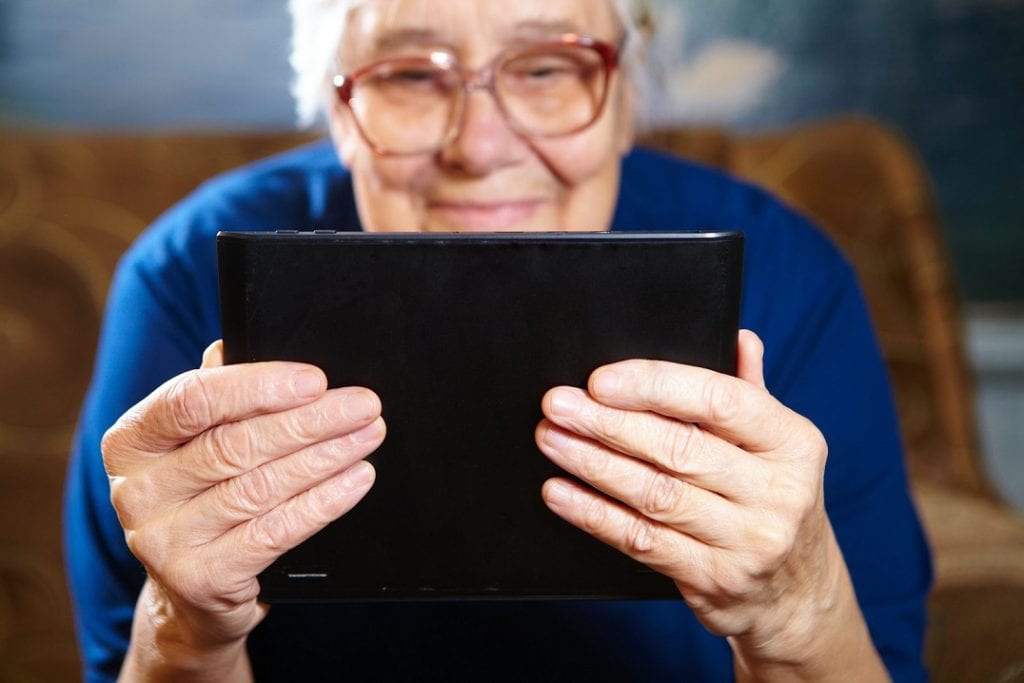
(111, 443)
(190, 402)
(773, 544)
(721, 400)
(639, 537)
(593, 462)
(661, 383)
(121, 441)
(313, 463)
(794, 498)
(251, 493)
(804, 502)
(611, 423)
(147, 546)
(137, 497)
(682, 444)
(270, 532)
(732, 584)
(228, 448)
(124, 497)
(326, 500)
(137, 543)
(303, 426)
(664, 493)
(815, 441)
(594, 515)
(701, 604)
(328, 457)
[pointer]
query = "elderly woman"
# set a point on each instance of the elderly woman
(499, 115)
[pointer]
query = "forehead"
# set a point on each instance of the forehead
(471, 26)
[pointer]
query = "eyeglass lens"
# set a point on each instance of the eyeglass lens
(414, 105)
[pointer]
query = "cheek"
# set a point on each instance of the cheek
(390, 191)
(574, 160)
(589, 155)
(390, 174)
(587, 167)
(376, 173)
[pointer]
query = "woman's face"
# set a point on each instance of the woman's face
(489, 177)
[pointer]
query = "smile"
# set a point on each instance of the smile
(483, 216)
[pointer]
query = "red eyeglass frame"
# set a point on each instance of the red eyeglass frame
(482, 78)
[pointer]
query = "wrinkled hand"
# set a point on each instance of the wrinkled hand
(709, 480)
(220, 471)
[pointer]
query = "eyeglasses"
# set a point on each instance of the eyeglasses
(417, 105)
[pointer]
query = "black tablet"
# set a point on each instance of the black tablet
(461, 335)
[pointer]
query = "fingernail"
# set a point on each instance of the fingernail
(369, 433)
(565, 402)
(555, 438)
(607, 383)
(359, 475)
(559, 494)
(359, 406)
(307, 383)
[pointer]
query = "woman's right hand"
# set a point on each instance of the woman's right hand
(213, 476)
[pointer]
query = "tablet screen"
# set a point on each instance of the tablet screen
(461, 336)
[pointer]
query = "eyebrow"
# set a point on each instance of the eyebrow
(531, 29)
(407, 37)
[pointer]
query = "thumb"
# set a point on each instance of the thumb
(750, 364)
(213, 356)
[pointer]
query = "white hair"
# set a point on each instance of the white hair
(317, 27)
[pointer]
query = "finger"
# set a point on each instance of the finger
(662, 549)
(750, 365)
(681, 448)
(649, 490)
(229, 450)
(258, 491)
(732, 408)
(213, 356)
(251, 547)
(191, 403)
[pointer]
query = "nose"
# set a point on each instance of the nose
(485, 141)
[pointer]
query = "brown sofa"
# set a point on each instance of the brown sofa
(71, 203)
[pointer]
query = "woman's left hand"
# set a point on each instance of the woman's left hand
(711, 481)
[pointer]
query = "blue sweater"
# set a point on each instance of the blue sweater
(821, 360)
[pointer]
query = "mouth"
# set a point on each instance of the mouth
(472, 216)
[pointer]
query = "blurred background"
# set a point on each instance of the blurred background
(946, 75)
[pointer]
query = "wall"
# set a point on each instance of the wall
(995, 340)
(144, 64)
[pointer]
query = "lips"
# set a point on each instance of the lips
(483, 216)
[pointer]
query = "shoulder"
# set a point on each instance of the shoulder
(660, 191)
(788, 259)
(303, 187)
(172, 265)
